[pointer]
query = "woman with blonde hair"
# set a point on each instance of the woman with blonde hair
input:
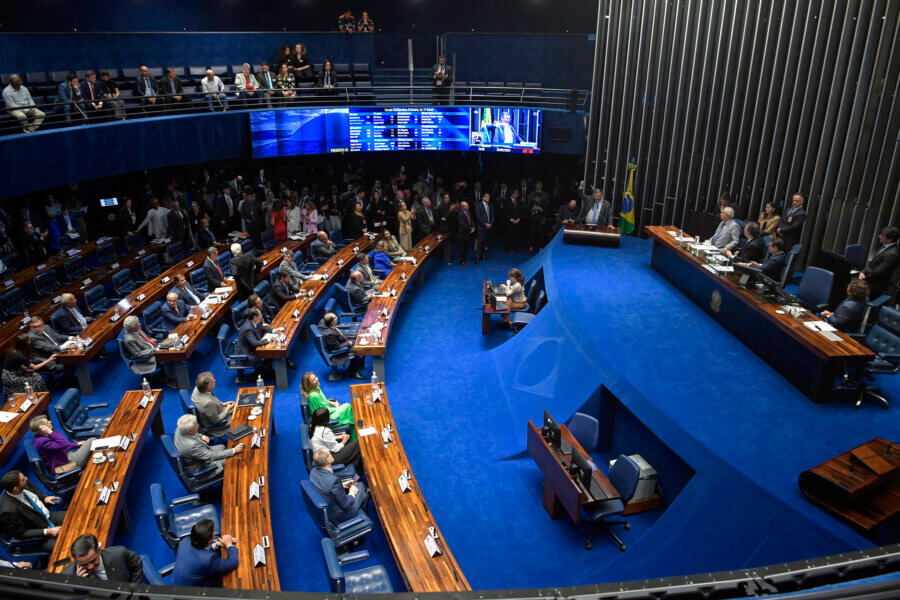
(404, 216)
(312, 391)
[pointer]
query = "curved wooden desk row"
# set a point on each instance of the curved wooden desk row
(293, 315)
(591, 235)
(249, 519)
(12, 432)
(46, 307)
(25, 276)
(86, 514)
(382, 309)
(195, 330)
(405, 517)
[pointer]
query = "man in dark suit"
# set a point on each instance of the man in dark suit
(116, 563)
(186, 291)
(146, 88)
(93, 93)
(174, 312)
(281, 292)
(227, 217)
(776, 262)
(70, 93)
(357, 289)
(251, 213)
(69, 319)
(198, 561)
(322, 248)
(442, 79)
(205, 237)
(256, 301)
(172, 91)
(484, 221)
(849, 314)
(179, 224)
(465, 229)
(791, 228)
(335, 340)
(595, 209)
(344, 501)
(212, 270)
(513, 209)
(878, 271)
(267, 84)
(567, 214)
(45, 342)
(35, 244)
(24, 513)
(424, 221)
(755, 248)
(244, 267)
(251, 335)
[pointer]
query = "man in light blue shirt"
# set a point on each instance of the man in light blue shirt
(21, 106)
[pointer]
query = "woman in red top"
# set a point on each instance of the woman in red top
(278, 219)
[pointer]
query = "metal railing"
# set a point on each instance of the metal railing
(73, 114)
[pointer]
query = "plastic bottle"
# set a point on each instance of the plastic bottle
(29, 391)
(374, 379)
(145, 386)
(260, 385)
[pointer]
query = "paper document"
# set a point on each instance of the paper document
(316, 277)
(366, 431)
(832, 336)
(407, 258)
(724, 269)
(104, 443)
(6, 417)
(222, 290)
(819, 326)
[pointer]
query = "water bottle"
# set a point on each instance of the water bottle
(29, 391)
(145, 386)
(374, 380)
(260, 385)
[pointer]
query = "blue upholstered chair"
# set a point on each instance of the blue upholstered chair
(232, 360)
(106, 253)
(198, 280)
(74, 417)
(586, 430)
(342, 295)
(152, 317)
(149, 267)
(238, 312)
(188, 407)
(175, 250)
(17, 549)
(348, 532)
(814, 290)
(134, 242)
(45, 283)
(127, 358)
(224, 261)
(268, 239)
(75, 268)
(152, 575)
(174, 526)
(884, 340)
(346, 321)
(624, 476)
(247, 246)
(855, 254)
(340, 470)
(96, 301)
(12, 303)
(520, 319)
(790, 265)
(123, 283)
(196, 481)
(327, 356)
(261, 289)
(370, 580)
(57, 485)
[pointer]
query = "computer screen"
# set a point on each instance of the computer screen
(502, 129)
(551, 430)
(583, 466)
(106, 202)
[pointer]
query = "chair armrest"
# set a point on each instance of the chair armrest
(344, 350)
(355, 521)
(879, 301)
(857, 337)
(378, 273)
(821, 307)
(167, 570)
(204, 473)
(352, 557)
(239, 357)
(140, 359)
(77, 428)
(890, 356)
(73, 474)
(96, 406)
(184, 500)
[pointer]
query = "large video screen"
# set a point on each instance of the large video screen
(358, 129)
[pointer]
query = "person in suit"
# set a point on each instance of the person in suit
(205, 236)
(24, 513)
(93, 94)
(267, 86)
(848, 315)
(227, 217)
(146, 88)
(335, 340)
(465, 229)
(140, 345)
(251, 335)
(322, 248)
(212, 270)
(878, 271)
(69, 91)
(282, 292)
(501, 131)
(776, 262)
(369, 280)
(595, 209)
(35, 244)
(213, 414)
(247, 85)
(295, 277)
(357, 289)
(196, 452)
(423, 220)
(568, 213)
(180, 224)
(484, 221)
(171, 90)
(174, 312)
(45, 342)
(755, 248)
(253, 216)
(728, 233)
(327, 81)
(185, 291)
(342, 448)
(198, 561)
(791, 227)
(244, 268)
(442, 79)
(116, 563)
(512, 209)
(68, 318)
(344, 500)
(256, 301)
(127, 219)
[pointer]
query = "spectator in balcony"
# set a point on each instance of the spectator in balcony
(21, 106)
(365, 24)
(247, 85)
(93, 93)
(69, 92)
(442, 79)
(214, 90)
(327, 79)
(111, 94)
(147, 88)
(285, 57)
(303, 70)
(346, 22)
(267, 86)
(173, 90)
(286, 82)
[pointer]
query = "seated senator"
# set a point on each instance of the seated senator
(114, 563)
(24, 513)
(382, 259)
(776, 262)
(344, 499)
(254, 333)
(58, 453)
(19, 370)
(344, 450)
(849, 314)
(196, 453)
(356, 288)
(213, 414)
(175, 312)
(312, 391)
(753, 250)
(198, 560)
(335, 340)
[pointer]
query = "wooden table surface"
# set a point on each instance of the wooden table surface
(814, 341)
(12, 432)
(46, 307)
(405, 517)
(103, 329)
(249, 520)
(197, 329)
(302, 306)
(394, 281)
(84, 513)
(55, 261)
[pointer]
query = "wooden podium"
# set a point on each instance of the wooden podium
(861, 487)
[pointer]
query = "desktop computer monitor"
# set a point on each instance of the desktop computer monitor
(551, 430)
(581, 468)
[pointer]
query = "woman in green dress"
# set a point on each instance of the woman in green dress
(394, 249)
(312, 391)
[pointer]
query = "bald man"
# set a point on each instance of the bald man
(174, 312)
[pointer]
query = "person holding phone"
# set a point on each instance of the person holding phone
(24, 514)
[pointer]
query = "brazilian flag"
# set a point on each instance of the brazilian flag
(626, 215)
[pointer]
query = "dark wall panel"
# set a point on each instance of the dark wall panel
(760, 98)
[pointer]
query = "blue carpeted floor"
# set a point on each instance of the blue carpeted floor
(461, 401)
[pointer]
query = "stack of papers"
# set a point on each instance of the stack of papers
(104, 443)
(819, 326)
(6, 417)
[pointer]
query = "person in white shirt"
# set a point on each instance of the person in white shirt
(21, 106)
(156, 221)
(321, 436)
(214, 89)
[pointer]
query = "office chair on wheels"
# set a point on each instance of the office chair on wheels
(882, 340)
(624, 476)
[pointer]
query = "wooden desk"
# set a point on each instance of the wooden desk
(861, 487)
(488, 310)
(46, 307)
(103, 329)
(804, 357)
(197, 329)
(591, 235)
(303, 306)
(85, 514)
(397, 280)
(248, 520)
(561, 491)
(404, 516)
(11, 433)
(25, 276)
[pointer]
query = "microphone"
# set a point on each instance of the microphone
(887, 451)
(853, 460)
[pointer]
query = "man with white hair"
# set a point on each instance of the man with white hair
(196, 453)
(246, 84)
(214, 89)
(140, 345)
(728, 233)
(20, 105)
(244, 268)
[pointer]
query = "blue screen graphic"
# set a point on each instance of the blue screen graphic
(357, 129)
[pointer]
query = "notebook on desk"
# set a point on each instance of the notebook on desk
(246, 400)
(239, 432)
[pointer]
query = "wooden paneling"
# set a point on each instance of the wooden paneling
(11, 433)
(405, 517)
